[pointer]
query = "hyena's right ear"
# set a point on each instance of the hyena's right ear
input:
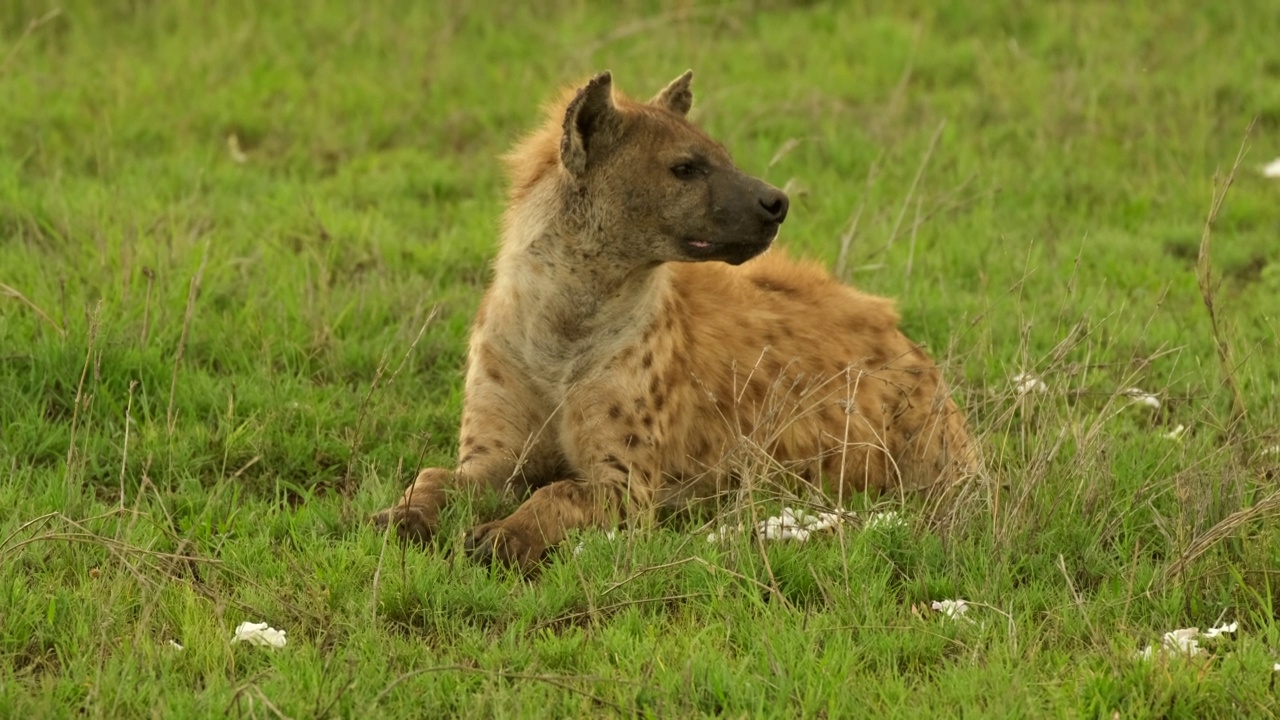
(590, 116)
(677, 96)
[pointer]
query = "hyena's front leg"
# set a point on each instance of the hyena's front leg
(502, 440)
(612, 445)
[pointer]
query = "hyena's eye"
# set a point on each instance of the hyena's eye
(686, 171)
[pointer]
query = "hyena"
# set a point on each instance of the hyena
(635, 338)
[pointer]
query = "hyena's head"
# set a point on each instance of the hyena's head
(652, 187)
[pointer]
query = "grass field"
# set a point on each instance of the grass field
(241, 244)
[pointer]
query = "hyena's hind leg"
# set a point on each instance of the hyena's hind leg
(503, 443)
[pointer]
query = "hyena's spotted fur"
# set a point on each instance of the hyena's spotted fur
(610, 371)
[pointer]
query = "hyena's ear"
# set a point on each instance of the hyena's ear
(677, 96)
(591, 115)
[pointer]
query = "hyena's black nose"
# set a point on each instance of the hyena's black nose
(773, 205)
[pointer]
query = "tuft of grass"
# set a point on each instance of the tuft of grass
(241, 245)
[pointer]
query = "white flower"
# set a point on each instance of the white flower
(1184, 641)
(953, 609)
(1176, 433)
(174, 644)
(259, 634)
(1275, 668)
(1143, 398)
(1214, 632)
(794, 525)
(1272, 169)
(885, 520)
(1026, 383)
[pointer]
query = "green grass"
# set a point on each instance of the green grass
(169, 470)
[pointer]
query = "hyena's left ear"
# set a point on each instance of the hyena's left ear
(677, 96)
(588, 120)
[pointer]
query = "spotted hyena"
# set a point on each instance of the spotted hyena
(635, 341)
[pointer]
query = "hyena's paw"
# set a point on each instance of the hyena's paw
(412, 524)
(507, 542)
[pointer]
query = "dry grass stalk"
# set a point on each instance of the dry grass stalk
(193, 291)
(1204, 274)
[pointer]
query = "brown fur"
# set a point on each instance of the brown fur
(610, 373)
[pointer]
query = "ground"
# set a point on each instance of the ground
(241, 243)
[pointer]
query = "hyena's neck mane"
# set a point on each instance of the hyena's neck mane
(554, 269)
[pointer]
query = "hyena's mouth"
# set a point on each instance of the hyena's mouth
(734, 253)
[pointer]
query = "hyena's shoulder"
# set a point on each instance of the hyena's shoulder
(782, 291)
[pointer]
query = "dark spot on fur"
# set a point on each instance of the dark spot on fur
(494, 375)
(630, 440)
(774, 286)
(615, 411)
(856, 325)
(647, 421)
(658, 401)
(654, 385)
(613, 462)
(480, 450)
(647, 360)
(770, 339)
(466, 441)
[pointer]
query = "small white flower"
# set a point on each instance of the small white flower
(795, 525)
(885, 520)
(1026, 383)
(259, 634)
(1143, 398)
(1272, 169)
(953, 609)
(1214, 632)
(1275, 668)
(1184, 641)
(174, 644)
(1176, 433)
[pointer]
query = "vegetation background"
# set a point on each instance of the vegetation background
(241, 243)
